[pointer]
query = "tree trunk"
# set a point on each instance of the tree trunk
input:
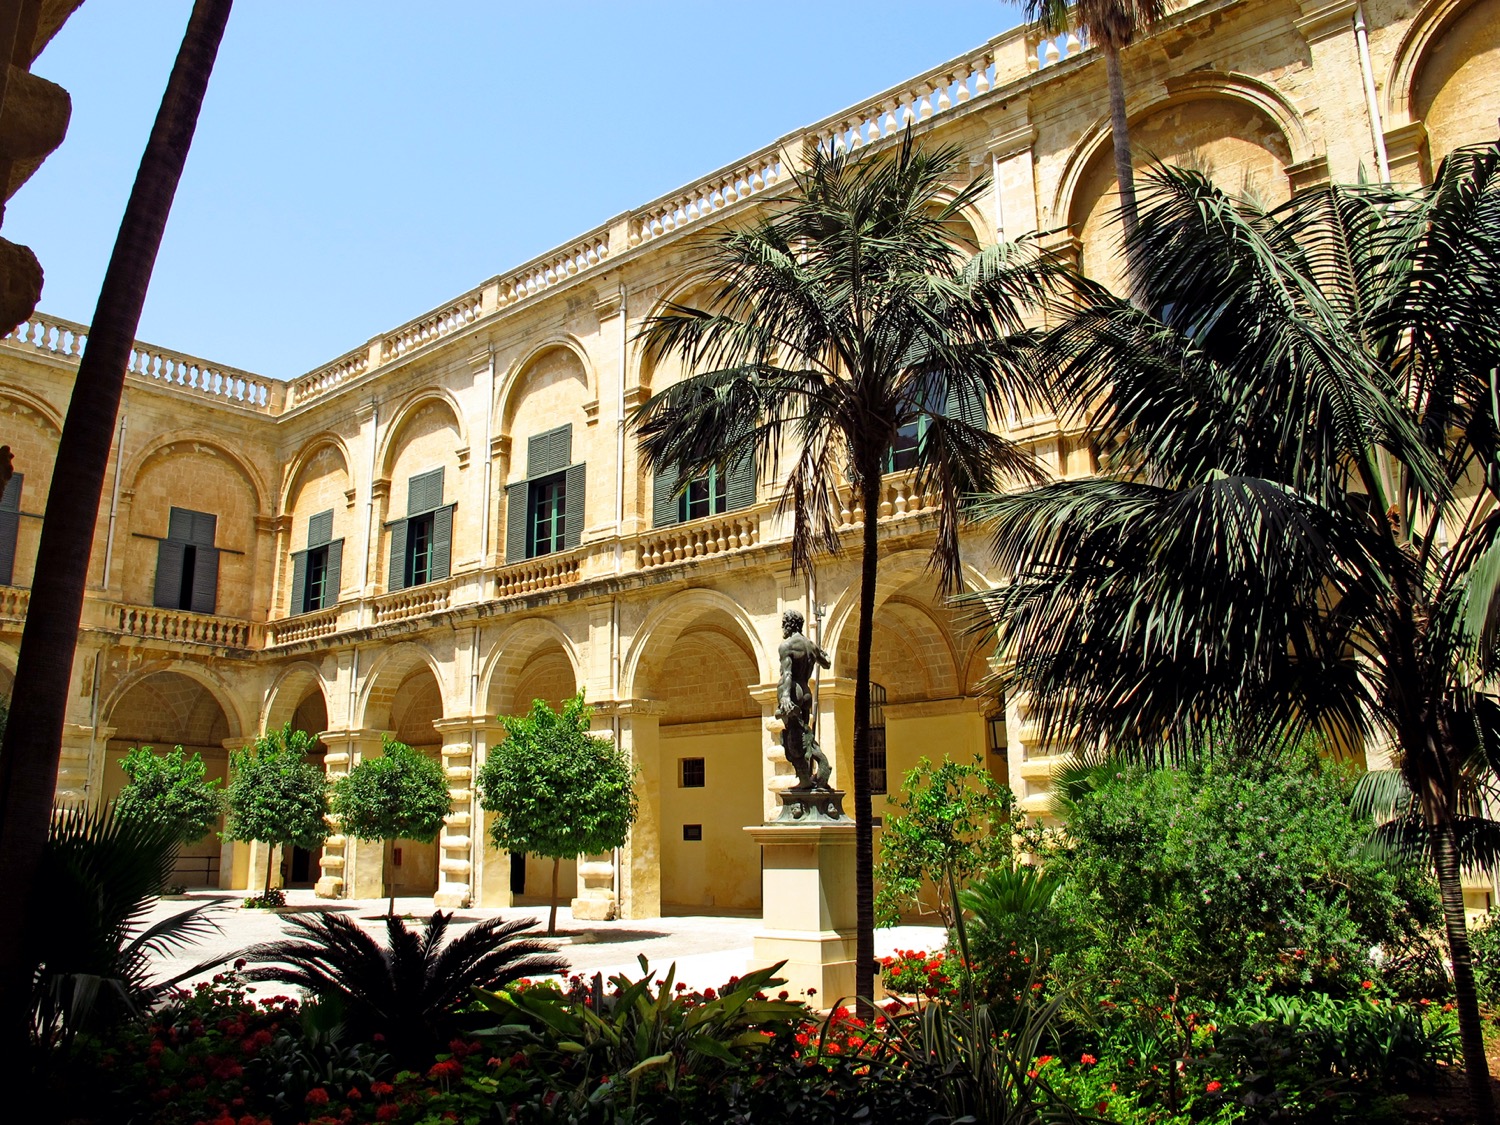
(270, 865)
(864, 837)
(33, 738)
(1119, 128)
(1470, 1026)
(552, 914)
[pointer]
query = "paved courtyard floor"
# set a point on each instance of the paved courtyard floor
(707, 950)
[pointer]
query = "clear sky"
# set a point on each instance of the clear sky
(358, 162)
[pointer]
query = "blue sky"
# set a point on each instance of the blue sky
(358, 163)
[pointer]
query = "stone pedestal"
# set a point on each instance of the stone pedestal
(807, 916)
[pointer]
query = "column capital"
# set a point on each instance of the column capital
(628, 708)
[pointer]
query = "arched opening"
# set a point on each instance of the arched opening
(711, 761)
(163, 710)
(1457, 91)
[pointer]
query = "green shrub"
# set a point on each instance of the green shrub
(170, 789)
(1230, 876)
(1484, 947)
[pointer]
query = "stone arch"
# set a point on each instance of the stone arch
(915, 655)
(33, 405)
(198, 442)
(238, 722)
(295, 684)
(392, 668)
(640, 366)
(896, 572)
(1232, 119)
(412, 408)
(292, 477)
(509, 386)
(1447, 77)
(530, 652)
(32, 430)
(667, 620)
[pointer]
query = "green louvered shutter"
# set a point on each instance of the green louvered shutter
(396, 576)
(10, 528)
(424, 492)
(168, 574)
(739, 489)
(320, 528)
(442, 542)
(298, 603)
(549, 452)
(180, 525)
(967, 406)
(573, 484)
(664, 497)
(516, 497)
(205, 580)
(334, 575)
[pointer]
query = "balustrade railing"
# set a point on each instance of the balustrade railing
(434, 326)
(303, 627)
(180, 626)
(330, 376)
(13, 603)
(551, 269)
(545, 573)
(710, 194)
(699, 539)
(415, 602)
(1047, 50)
(899, 496)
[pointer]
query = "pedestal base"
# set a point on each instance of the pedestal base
(807, 913)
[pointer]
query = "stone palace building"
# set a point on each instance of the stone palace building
(450, 519)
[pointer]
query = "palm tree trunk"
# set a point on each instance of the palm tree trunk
(270, 862)
(1470, 1026)
(33, 738)
(1119, 128)
(864, 836)
(552, 914)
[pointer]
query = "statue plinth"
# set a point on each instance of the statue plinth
(811, 806)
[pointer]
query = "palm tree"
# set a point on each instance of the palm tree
(1298, 517)
(1110, 25)
(842, 327)
(33, 737)
(408, 990)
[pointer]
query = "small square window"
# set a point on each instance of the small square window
(692, 832)
(690, 773)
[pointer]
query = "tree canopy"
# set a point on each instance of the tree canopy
(276, 796)
(170, 789)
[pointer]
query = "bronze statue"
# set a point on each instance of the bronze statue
(794, 702)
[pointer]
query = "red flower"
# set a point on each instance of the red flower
(382, 1089)
(1366, 984)
(388, 1112)
(1088, 1060)
(317, 1096)
(448, 1068)
(1214, 1087)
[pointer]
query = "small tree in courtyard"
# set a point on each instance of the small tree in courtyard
(171, 790)
(402, 795)
(555, 789)
(276, 796)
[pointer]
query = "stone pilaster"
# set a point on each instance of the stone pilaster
(350, 868)
(457, 842)
(640, 862)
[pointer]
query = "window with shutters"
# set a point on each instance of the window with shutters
(903, 452)
(422, 543)
(544, 511)
(711, 494)
(187, 562)
(317, 571)
(10, 528)
(877, 739)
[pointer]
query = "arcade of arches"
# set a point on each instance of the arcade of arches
(450, 521)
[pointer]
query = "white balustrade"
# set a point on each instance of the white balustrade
(699, 539)
(434, 326)
(303, 627)
(899, 496)
(1044, 51)
(554, 268)
(13, 603)
(330, 376)
(713, 193)
(416, 602)
(533, 575)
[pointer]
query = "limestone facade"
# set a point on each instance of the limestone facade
(319, 487)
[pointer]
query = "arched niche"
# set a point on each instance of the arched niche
(1236, 142)
(320, 482)
(1455, 91)
(31, 430)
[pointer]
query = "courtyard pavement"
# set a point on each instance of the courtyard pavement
(707, 950)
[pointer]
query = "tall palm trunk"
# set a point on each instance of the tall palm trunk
(1437, 809)
(1119, 128)
(864, 836)
(33, 737)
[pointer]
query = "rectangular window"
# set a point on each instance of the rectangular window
(187, 562)
(422, 543)
(317, 572)
(691, 774)
(10, 527)
(707, 495)
(418, 551)
(877, 739)
(692, 832)
(711, 494)
(999, 734)
(904, 449)
(549, 511)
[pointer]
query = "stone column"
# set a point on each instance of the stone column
(1327, 26)
(1013, 191)
(491, 876)
(351, 868)
(456, 864)
(74, 767)
(776, 772)
(271, 539)
(640, 862)
(836, 728)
